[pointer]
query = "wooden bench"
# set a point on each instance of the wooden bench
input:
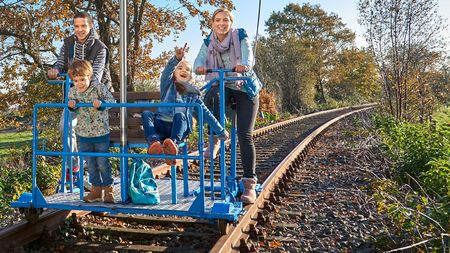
(135, 133)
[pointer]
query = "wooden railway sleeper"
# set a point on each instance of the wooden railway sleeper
(14, 248)
(288, 174)
(282, 185)
(223, 226)
(268, 206)
(261, 235)
(291, 172)
(270, 203)
(47, 232)
(253, 232)
(262, 218)
(245, 247)
(279, 188)
(286, 186)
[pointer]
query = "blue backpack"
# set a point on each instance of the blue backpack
(143, 188)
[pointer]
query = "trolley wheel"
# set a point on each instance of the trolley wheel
(31, 213)
(223, 226)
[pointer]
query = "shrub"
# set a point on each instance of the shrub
(413, 147)
(421, 154)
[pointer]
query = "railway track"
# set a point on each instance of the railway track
(280, 147)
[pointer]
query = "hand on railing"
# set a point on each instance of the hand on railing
(55, 74)
(72, 104)
(219, 70)
(52, 73)
(60, 79)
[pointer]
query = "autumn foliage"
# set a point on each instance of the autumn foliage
(267, 102)
(31, 33)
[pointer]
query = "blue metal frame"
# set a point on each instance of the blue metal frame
(66, 145)
(228, 185)
(221, 209)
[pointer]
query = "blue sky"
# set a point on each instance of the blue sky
(246, 13)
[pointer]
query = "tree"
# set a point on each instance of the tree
(403, 36)
(31, 32)
(353, 76)
(440, 83)
(321, 33)
(283, 65)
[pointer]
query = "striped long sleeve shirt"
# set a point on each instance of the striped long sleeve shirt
(81, 51)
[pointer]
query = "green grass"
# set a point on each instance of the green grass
(14, 140)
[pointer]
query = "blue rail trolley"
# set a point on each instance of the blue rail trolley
(181, 197)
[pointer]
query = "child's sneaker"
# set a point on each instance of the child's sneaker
(155, 148)
(170, 148)
(171, 161)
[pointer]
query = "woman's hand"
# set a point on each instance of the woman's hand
(200, 70)
(241, 68)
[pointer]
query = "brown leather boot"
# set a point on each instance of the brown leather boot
(95, 195)
(249, 194)
(109, 194)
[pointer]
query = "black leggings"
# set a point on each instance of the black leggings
(246, 111)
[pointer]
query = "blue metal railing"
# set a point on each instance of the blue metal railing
(227, 185)
(67, 142)
(123, 154)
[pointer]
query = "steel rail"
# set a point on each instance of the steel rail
(26, 232)
(239, 233)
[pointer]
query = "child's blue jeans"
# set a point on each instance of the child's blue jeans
(99, 167)
(158, 130)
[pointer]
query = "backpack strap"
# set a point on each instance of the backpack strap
(242, 33)
(207, 40)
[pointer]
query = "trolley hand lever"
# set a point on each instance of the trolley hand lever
(220, 70)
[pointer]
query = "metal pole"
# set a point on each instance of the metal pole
(123, 98)
(256, 36)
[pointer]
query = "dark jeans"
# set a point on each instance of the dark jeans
(158, 130)
(246, 111)
(99, 168)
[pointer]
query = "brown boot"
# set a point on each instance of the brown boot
(95, 195)
(249, 194)
(109, 194)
